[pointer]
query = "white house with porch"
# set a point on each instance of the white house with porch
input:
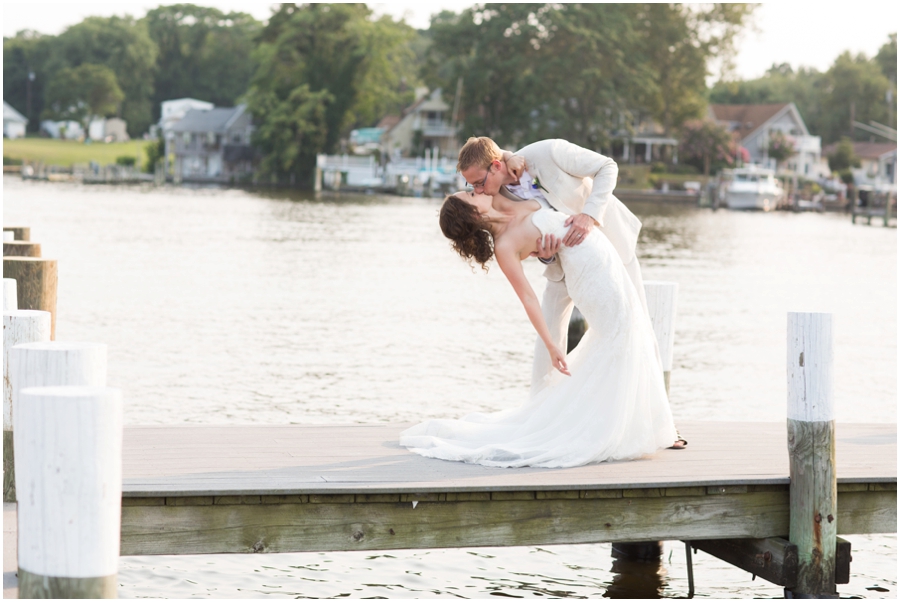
(645, 142)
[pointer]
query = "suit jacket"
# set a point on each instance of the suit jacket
(577, 180)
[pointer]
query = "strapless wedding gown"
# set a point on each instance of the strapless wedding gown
(613, 407)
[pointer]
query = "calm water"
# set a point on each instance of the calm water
(223, 306)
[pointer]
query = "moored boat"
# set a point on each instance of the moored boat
(752, 188)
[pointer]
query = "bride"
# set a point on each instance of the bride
(606, 400)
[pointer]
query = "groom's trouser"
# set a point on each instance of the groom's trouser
(557, 308)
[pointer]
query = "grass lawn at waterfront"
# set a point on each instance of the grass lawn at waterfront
(66, 152)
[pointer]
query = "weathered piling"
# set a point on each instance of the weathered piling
(19, 326)
(811, 452)
(21, 248)
(9, 294)
(19, 232)
(661, 302)
(36, 283)
(69, 523)
(44, 363)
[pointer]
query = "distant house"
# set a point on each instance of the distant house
(108, 130)
(13, 122)
(171, 112)
(878, 163)
(644, 142)
(63, 130)
(751, 125)
(424, 125)
(212, 145)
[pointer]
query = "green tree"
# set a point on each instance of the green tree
(203, 53)
(532, 71)
(26, 53)
(706, 145)
(330, 66)
(82, 93)
(291, 131)
(854, 89)
(123, 45)
(843, 157)
(678, 41)
(887, 58)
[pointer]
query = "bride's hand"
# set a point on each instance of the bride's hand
(558, 358)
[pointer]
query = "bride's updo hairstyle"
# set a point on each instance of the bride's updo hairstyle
(462, 224)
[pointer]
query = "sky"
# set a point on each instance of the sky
(799, 33)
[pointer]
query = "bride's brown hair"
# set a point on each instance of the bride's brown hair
(463, 225)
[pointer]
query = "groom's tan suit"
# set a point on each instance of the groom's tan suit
(577, 180)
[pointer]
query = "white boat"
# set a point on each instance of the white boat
(753, 188)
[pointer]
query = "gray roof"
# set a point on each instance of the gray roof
(10, 114)
(216, 120)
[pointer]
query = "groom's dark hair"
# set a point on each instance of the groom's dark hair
(480, 152)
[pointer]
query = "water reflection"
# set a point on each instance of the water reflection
(637, 571)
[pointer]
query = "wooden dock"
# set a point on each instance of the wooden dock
(252, 489)
(242, 489)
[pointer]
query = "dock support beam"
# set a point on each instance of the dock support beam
(810, 426)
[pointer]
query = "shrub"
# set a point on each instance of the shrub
(155, 150)
(658, 167)
(11, 161)
(707, 145)
(126, 160)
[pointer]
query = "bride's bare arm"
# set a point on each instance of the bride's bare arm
(511, 264)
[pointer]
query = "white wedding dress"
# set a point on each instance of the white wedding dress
(613, 407)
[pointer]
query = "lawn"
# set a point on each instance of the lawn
(66, 152)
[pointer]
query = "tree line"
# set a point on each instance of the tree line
(521, 72)
(854, 88)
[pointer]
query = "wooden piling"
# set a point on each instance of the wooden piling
(19, 232)
(21, 248)
(69, 523)
(661, 301)
(39, 362)
(811, 452)
(36, 283)
(10, 301)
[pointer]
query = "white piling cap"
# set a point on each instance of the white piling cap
(810, 367)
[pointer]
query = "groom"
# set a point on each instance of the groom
(570, 179)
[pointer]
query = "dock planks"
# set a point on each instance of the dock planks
(245, 489)
(281, 460)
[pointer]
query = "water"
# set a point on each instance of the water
(223, 306)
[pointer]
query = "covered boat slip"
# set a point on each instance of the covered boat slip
(244, 489)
